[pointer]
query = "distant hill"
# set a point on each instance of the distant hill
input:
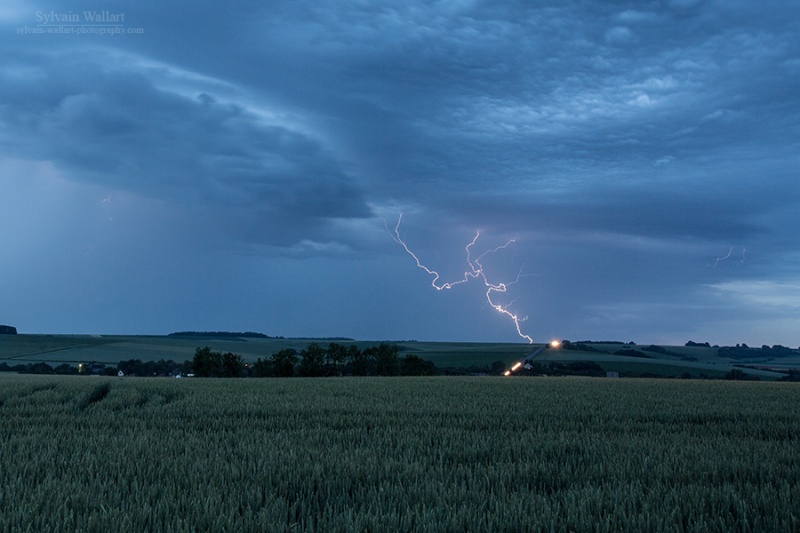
(248, 335)
(348, 339)
(8, 330)
(222, 334)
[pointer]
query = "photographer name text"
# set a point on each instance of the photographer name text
(44, 18)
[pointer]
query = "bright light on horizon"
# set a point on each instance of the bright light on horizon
(555, 343)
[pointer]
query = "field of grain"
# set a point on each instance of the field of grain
(397, 454)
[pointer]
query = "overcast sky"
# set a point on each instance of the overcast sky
(243, 167)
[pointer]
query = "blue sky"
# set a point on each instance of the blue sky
(237, 168)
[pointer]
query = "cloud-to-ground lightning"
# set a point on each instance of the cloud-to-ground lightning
(476, 271)
(728, 256)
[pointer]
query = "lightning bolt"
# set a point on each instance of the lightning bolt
(728, 256)
(476, 271)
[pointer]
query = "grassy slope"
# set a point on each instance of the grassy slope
(704, 361)
(110, 349)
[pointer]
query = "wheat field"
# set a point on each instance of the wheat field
(398, 454)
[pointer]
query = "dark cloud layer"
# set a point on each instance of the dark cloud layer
(113, 126)
(627, 146)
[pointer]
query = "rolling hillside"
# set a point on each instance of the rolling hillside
(626, 359)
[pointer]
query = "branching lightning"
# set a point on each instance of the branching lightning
(728, 256)
(476, 271)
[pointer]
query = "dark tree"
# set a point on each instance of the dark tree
(739, 375)
(38, 368)
(207, 364)
(283, 362)
(262, 368)
(656, 349)
(232, 365)
(337, 354)
(792, 375)
(386, 359)
(352, 352)
(413, 365)
(131, 367)
(8, 330)
(312, 360)
(360, 361)
(65, 369)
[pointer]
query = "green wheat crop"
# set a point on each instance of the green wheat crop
(411, 454)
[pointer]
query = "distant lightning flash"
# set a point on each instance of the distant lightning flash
(106, 201)
(728, 256)
(476, 271)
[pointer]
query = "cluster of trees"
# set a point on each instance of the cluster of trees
(8, 330)
(349, 360)
(342, 360)
(740, 375)
(581, 346)
(208, 364)
(38, 368)
(658, 349)
(630, 352)
(314, 361)
(136, 367)
(743, 351)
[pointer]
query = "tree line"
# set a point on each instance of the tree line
(313, 361)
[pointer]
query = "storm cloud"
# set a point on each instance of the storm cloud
(252, 158)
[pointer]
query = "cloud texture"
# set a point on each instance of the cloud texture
(233, 168)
